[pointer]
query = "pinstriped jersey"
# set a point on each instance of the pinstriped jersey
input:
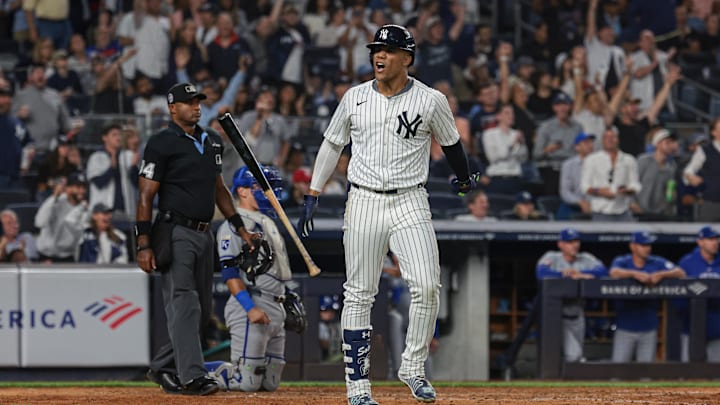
(229, 245)
(391, 135)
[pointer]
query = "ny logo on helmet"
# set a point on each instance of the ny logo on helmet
(410, 126)
(383, 34)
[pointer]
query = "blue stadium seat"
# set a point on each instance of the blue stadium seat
(442, 204)
(13, 196)
(499, 203)
(549, 204)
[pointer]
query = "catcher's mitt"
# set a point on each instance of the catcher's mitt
(295, 318)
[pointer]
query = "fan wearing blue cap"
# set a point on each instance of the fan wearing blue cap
(554, 142)
(637, 320)
(574, 200)
(569, 262)
(703, 262)
(329, 329)
(253, 313)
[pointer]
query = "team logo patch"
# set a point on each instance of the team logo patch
(225, 242)
(190, 89)
(383, 34)
(170, 98)
(410, 127)
(218, 159)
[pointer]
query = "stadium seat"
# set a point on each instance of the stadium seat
(13, 196)
(437, 185)
(549, 204)
(441, 204)
(26, 215)
(499, 203)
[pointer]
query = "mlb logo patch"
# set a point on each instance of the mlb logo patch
(218, 159)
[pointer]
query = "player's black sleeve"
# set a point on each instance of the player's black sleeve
(457, 159)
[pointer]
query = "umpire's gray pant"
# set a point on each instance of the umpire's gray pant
(187, 296)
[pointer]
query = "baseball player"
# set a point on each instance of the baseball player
(390, 121)
(637, 320)
(703, 262)
(569, 262)
(254, 313)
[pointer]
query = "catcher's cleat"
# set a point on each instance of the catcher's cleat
(420, 388)
(362, 399)
(168, 381)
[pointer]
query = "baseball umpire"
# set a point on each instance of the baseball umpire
(390, 121)
(254, 313)
(183, 165)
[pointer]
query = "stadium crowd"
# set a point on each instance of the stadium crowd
(570, 124)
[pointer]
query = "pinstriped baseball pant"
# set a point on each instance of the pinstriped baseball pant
(402, 223)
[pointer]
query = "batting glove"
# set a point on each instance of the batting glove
(306, 225)
(462, 187)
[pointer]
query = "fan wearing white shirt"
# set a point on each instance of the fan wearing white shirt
(506, 151)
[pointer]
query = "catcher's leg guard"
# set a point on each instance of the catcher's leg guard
(220, 371)
(356, 355)
(273, 373)
(251, 375)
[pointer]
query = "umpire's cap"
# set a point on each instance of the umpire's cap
(183, 92)
(394, 36)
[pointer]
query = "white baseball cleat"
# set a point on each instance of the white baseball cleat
(420, 387)
(362, 399)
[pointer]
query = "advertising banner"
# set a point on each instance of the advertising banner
(72, 316)
(9, 306)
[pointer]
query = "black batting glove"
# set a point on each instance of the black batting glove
(462, 187)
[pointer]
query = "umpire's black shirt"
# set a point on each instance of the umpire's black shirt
(187, 169)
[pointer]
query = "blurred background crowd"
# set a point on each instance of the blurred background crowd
(572, 109)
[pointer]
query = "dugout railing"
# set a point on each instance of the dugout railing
(551, 364)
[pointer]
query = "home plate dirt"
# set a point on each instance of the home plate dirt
(384, 395)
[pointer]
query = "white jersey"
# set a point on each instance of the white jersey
(391, 135)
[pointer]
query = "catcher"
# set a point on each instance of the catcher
(256, 311)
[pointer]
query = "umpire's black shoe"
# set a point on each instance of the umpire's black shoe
(168, 381)
(201, 386)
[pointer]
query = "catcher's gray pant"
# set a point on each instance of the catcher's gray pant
(712, 348)
(402, 223)
(257, 350)
(573, 336)
(187, 295)
(642, 344)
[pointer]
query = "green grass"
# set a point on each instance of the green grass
(479, 384)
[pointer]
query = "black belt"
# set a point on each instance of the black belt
(393, 191)
(194, 224)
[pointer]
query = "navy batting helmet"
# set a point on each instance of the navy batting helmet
(244, 178)
(393, 36)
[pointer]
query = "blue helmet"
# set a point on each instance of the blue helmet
(329, 302)
(244, 178)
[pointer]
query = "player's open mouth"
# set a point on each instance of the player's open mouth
(379, 66)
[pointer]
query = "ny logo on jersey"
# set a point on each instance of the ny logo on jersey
(410, 126)
(383, 34)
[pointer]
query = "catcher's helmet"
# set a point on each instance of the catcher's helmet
(244, 178)
(394, 36)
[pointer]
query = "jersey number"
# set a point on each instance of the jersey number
(147, 170)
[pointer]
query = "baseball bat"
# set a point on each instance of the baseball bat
(238, 141)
